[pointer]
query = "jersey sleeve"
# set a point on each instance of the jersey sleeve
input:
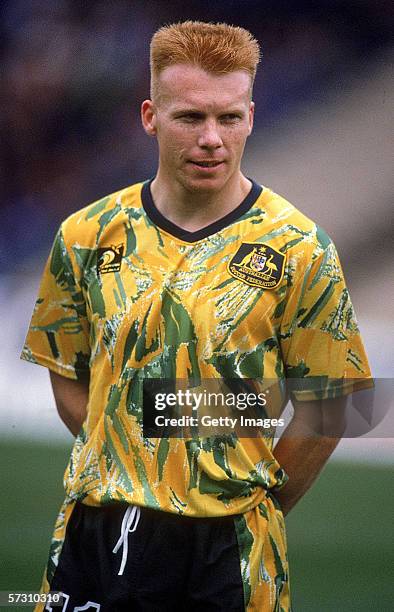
(321, 345)
(58, 336)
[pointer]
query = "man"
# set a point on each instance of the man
(198, 274)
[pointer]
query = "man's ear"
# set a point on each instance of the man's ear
(251, 117)
(148, 117)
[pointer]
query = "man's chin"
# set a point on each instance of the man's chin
(204, 184)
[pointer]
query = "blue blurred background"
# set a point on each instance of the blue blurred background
(74, 75)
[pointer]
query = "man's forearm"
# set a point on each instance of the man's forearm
(302, 459)
(71, 397)
(307, 444)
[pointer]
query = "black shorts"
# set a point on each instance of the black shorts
(126, 558)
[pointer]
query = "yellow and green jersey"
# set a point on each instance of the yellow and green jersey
(128, 296)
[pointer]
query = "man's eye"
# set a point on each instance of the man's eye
(190, 117)
(229, 118)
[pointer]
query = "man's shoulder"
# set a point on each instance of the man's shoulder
(281, 210)
(288, 221)
(92, 220)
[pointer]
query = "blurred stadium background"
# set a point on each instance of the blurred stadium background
(74, 74)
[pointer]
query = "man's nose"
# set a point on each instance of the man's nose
(210, 136)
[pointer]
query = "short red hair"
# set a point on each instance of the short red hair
(218, 48)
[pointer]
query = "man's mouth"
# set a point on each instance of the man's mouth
(206, 163)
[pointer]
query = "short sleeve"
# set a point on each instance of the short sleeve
(321, 345)
(58, 336)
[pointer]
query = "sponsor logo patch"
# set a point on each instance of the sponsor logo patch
(258, 265)
(109, 259)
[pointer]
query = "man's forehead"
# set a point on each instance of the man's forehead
(187, 84)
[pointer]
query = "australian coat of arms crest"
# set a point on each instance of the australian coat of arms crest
(258, 265)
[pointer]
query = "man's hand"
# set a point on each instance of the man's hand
(71, 397)
(307, 444)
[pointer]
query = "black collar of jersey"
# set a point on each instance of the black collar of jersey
(178, 232)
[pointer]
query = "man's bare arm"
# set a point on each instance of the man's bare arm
(71, 397)
(307, 444)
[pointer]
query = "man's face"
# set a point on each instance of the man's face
(201, 121)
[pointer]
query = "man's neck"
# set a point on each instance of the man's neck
(193, 210)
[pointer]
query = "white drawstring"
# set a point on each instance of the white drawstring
(132, 514)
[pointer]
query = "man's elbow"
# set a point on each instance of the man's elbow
(73, 420)
(334, 418)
